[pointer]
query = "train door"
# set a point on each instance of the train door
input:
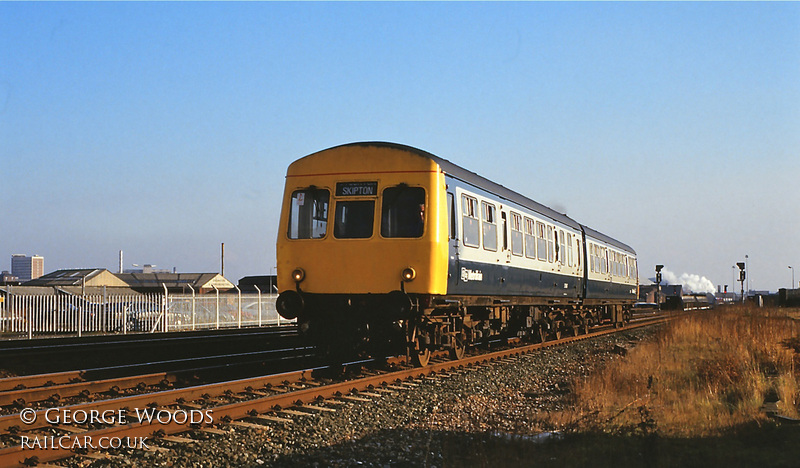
(453, 249)
(506, 250)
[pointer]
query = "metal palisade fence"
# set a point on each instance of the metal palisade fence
(31, 315)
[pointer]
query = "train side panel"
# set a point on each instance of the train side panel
(510, 264)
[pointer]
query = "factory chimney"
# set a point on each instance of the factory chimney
(120, 263)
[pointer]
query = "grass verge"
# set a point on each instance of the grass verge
(695, 395)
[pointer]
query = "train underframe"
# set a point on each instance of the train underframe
(359, 326)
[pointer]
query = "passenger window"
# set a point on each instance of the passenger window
(530, 239)
(403, 212)
(541, 242)
(516, 234)
(354, 219)
(550, 245)
(570, 261)
(308, 214)
(470, 225)
(489, 227)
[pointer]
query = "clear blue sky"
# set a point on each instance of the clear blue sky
(164, 129)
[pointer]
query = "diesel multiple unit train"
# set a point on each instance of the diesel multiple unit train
(384, 248)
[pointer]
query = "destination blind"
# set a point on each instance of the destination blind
(356, 189)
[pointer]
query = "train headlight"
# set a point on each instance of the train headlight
(409, 274)
(298, 275)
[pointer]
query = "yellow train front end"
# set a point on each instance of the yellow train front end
(363, 237)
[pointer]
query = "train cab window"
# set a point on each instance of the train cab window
(470, 224)
(403, 212)
(354, 219)
(530, 238)
(541, 242)
(489, 226)
(516, 234)
(308, 214)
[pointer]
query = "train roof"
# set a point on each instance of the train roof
(472, 178)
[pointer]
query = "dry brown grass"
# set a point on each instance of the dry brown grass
(703, 375)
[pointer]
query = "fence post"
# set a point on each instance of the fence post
(106, 312)
(81, 312)
(30, 322)
(190, 287)
(239, 316)
(217, 291)
(166, 308)
(259, 304)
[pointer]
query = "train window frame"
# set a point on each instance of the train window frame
(551, 254)
(489, 226)
(612, 266)
(530, 238)
(403, 218)
(561, 250)
(317, 224)
(541, 242)
(470, 224)
(568, 243)
(517, 239)
(338, 226)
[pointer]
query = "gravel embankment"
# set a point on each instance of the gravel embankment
(415, 427)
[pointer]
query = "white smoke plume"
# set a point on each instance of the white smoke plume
(691, 283)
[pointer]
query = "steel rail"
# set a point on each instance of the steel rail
(28, 395)
(71, 383)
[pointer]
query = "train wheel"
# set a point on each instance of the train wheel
(420, 352)
(539, 334)
(420, 356)
(558, 326)
(459, 348)
(585, 327)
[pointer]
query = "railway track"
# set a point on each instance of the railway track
(252, 402)
(58, 354)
